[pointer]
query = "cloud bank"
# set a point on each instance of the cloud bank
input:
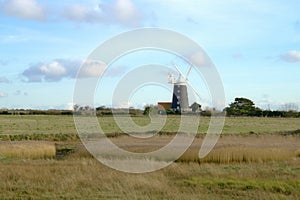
(50, 72)
(63, 68)
(291, 56)
(120, 12)
(123, 12)
(24, 9)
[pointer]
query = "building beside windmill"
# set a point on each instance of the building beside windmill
(163, 107)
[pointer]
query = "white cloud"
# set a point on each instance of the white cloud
(200, 59)
(119, 12)
(64, 68)
(124, 104)
(24, 9)
(81, 13)
(91, 68)
(291, 56)
(54, 71)
(122, 12)
(126, 12)
(70, 106)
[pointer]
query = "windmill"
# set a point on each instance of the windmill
(180, 101)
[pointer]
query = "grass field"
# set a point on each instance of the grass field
(256, 158)
(53, 127)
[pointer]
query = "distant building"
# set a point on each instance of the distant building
(196, 107)
(163, 107)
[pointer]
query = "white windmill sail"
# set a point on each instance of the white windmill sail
(185, 79)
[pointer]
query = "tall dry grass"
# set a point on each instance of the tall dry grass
(27, 150)
(239, 154)
(297, 153)
(229, 149)
(86, 178)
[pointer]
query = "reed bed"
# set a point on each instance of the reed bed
(297, 153)
(239, 154)
(247, 154)
(229, 149)
(27, 150)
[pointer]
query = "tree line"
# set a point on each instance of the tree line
(245, 107)
(240, 107)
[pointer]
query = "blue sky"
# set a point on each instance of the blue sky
(255, 46)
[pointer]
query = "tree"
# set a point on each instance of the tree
(76, 107)
(243, 107)
(150, 110)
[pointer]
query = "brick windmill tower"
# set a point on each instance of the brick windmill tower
(180, 101)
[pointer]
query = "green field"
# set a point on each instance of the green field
(256, 158)
(64, 125)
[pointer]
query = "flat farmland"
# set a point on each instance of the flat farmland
(255, 158)
(55, 124)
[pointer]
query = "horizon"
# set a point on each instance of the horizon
(286, 107)
(254, 46)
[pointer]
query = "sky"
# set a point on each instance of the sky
(255, 46)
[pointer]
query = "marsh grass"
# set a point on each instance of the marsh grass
(248, 149)
(229, 149)
(250, 161)
(239, 154)
(87, 178)
(273, 186)
(297, 153)
(39, 136)
(27, 150)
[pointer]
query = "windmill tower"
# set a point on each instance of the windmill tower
(180, 101)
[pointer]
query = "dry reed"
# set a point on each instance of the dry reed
(247, 154)
(297, 153)
(238, 154)
(27, 150)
